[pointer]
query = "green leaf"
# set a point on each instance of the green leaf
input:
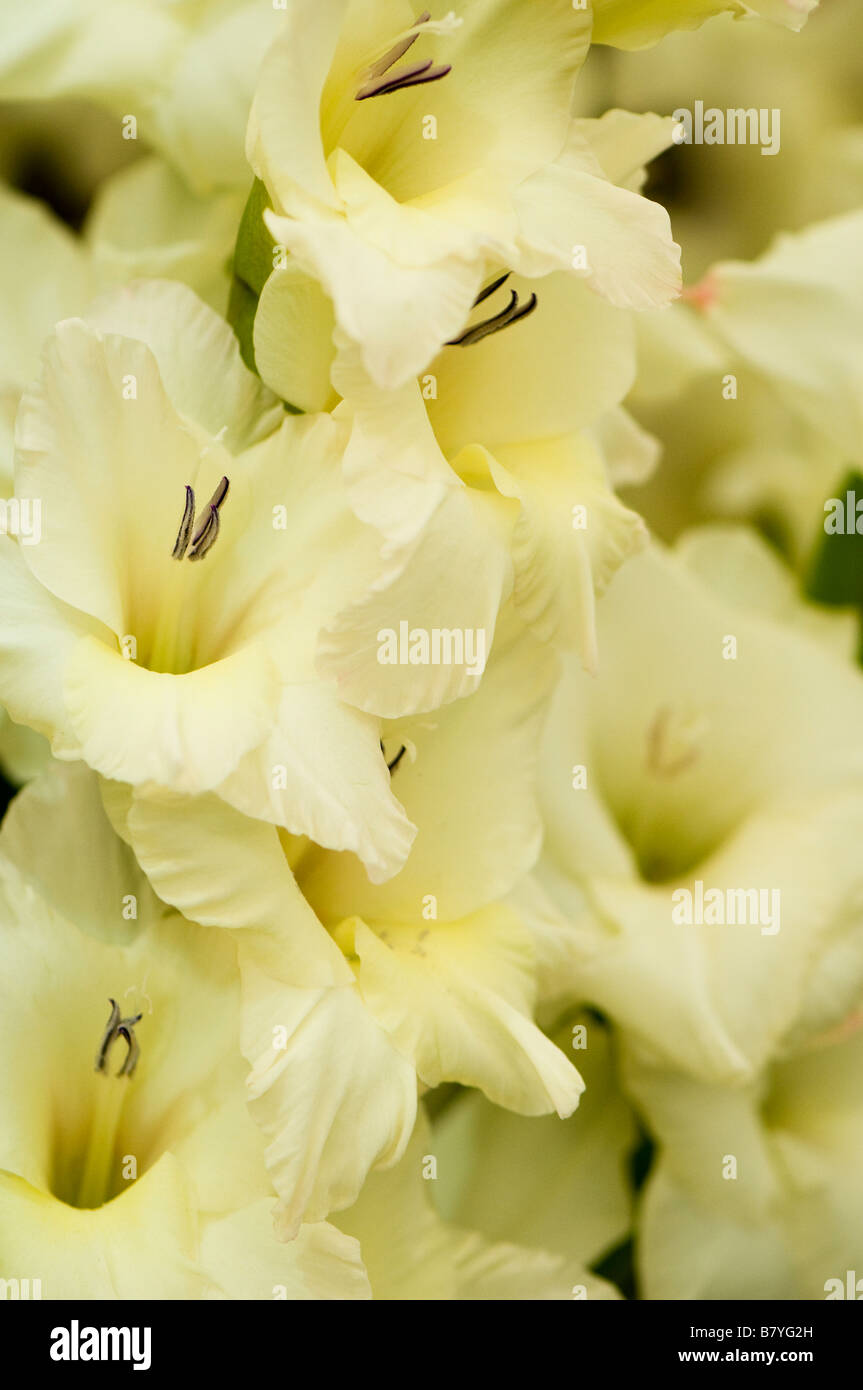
(242, 306)
(253, 265)
(253, 253)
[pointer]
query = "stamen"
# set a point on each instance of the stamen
(511, 314)
(186, 525)
(220, 494)
(413, 76)
(397, 759)
(490, 289)
(206, 536)
(120, 1028)
(207, 533)
(399, 49)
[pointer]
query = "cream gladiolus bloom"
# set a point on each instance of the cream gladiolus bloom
(409, 158)
(129, 1165)
(701, 879)
(492, 492)
(491, 470)
(44, 276)
(144, 222)
(195, 541)
(353, 992)
(756, 1192)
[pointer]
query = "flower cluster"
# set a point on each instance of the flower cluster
(430, 700)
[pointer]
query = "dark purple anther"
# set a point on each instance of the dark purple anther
(511, 314)
(206, 535)
(186, 525)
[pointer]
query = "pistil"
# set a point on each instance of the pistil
(95, 1183)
